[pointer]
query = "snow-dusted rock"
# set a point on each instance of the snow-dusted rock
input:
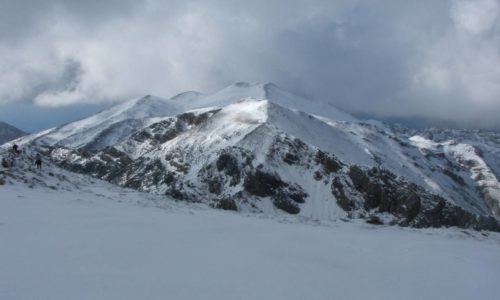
(257, 148)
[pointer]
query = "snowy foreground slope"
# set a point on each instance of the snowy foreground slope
(257, 148)
(73, 237)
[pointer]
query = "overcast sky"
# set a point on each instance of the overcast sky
(428, 58)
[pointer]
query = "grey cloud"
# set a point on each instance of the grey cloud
(20, 19)
(395, 58)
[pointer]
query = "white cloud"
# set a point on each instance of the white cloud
(475, 16)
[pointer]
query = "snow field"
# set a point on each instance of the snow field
(109, 243)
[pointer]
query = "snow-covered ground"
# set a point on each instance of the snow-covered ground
(99, 241)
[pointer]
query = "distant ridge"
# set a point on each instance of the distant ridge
(9, 132)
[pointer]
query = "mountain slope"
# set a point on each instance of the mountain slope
(87, 231)
(266, 154)
(112, 125)
(107, 127)
(271, 92)
(9, 132)
(478, 158)
(258, 156)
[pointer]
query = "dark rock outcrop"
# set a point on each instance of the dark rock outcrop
(410, 205)
(228, 164)
(262, 184)
(226, 204)
(329, 162)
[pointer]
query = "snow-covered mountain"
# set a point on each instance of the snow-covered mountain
(257, 148)
(114, 124)
(107, 127)
(9, 132)
(271, 92)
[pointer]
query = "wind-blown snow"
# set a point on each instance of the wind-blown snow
(271, 92)
(423, 143)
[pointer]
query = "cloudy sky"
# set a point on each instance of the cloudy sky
(426, 58)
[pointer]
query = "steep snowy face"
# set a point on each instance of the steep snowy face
(107, 127)
(319, 108)
(237, 124)
(231, 94)
(232, 123)
(271, 92)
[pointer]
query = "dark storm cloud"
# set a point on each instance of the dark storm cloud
(21, 19)
(424, 58)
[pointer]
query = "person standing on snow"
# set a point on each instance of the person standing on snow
(15, 149)
(38, 161)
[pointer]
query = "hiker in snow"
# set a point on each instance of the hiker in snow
(15, 149)
(38, 161)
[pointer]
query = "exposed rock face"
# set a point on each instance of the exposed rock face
(329, 163)
(262, 184)
(411, 205)
(284, 195)
(232, 178)
(230, 166)
(255, 166)
(339, 188)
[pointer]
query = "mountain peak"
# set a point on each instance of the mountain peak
(275, 94)
(187, 96)
(109, 126)
(147, 99)
(269, 85)
(9, 132)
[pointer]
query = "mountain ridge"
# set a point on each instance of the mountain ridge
(245, 152)
(9, 132)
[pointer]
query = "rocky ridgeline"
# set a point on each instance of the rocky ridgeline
(233, 179)
(257, 148)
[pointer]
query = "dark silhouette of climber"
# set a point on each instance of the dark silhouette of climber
(15, 149)
(38, 161)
